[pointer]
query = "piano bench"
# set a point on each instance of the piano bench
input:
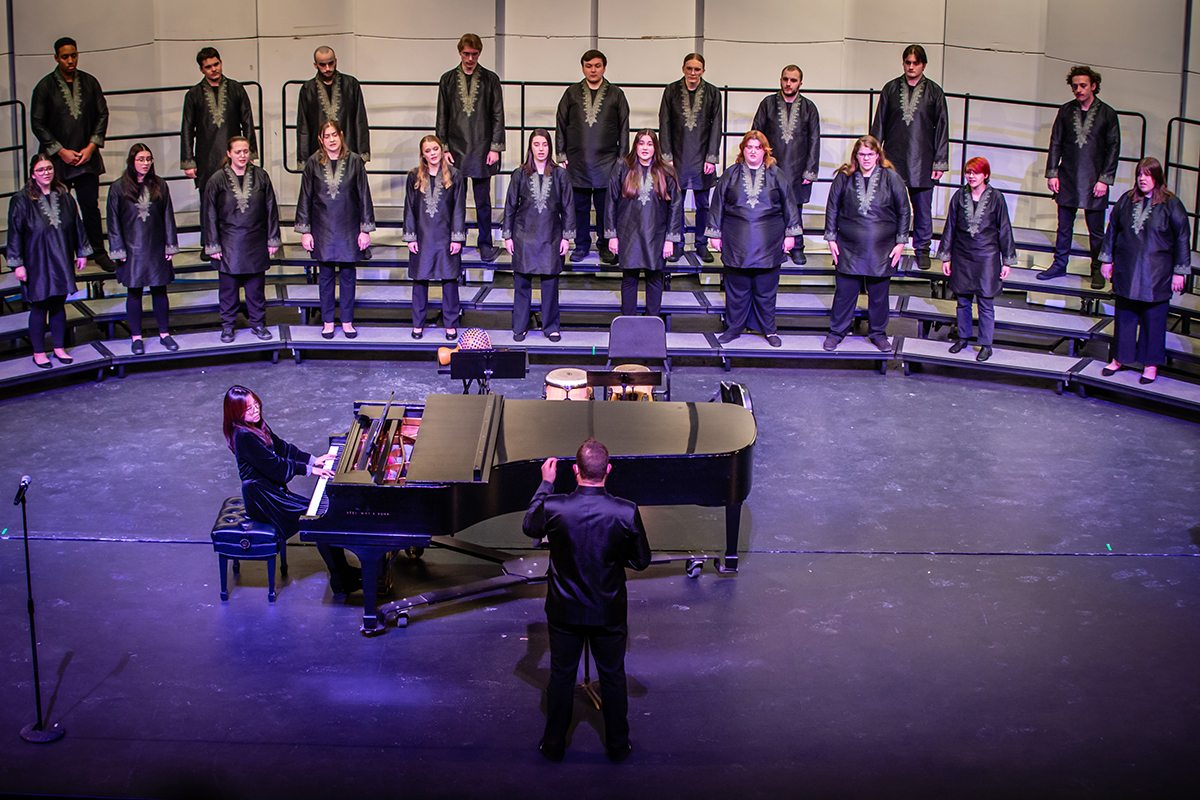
(238, 538)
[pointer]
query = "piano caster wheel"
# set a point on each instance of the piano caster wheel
(694, 565)
(402, 619)
(414, 552)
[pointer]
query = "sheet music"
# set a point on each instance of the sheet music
(319, 492)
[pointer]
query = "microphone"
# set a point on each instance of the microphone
(25, 480)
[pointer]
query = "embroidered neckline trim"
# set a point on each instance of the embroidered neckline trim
(1141, 212)
(910, 98)
(331, 101)
(241, 188)
(691, 108)
(334, 178)
(591, 107)
(789, 115)
(216, 99)
(468, 90)
(646, 185)
(71, 93)
(539, 187)
(1083, 124)
(865, 189)
(975, 210)
(753, 185)
(434, 195)
(143, 203)
(49, 205)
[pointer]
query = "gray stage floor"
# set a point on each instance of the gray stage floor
(951, 587)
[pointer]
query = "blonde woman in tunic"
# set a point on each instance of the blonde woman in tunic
(435, 227)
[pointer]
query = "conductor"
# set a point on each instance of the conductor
(593, 537)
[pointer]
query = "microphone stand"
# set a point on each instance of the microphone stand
(35, 732)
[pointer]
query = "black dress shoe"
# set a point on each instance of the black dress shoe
(1144, 380)
(227, 333)
(1050, 274)
(1108, 373)
(704, 254)
(138, 347)
(168, 343)
(831, 342)
(607, 256)
(64, 359)
(1097, 280)
(728, 336)
(881, 342)
(554, 336)
(262, 332)
(43, 364)
(418, 333)
(676, 254)
(350, 334)
(958, 346)
(327, 334)
(519, 337)
(797, 256)
(552, 754)
(923, 261)
(579, 254)
(774, 340)
(452, 334)
(488, 253)
(985, 353)
(104, 262)
(618, 754)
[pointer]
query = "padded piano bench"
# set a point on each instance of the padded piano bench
(238, 538)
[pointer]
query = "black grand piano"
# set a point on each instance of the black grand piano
(411, 475)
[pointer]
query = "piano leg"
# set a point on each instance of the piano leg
(370, 558)
(733, 522)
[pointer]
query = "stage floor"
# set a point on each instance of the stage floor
(949, 587)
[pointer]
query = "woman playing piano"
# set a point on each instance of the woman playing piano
(266, 463)
(435, 227)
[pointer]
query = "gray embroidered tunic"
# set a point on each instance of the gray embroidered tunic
(752, 212)
(1084, 150)
(867, 219)
(689, 130)
(341, 101)
(794, 132)
(470, 119)
(141, 233)
(914, 127)
(45, 236)
(433, 219)
(240, 218)
(1146, 256)
(211, 117)
(335, 207)
(70, 115)
(642, 223)
(978, 242)
(539, 212)
(592, 132)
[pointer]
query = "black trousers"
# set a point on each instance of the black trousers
(1066, 232)
(800, 216)
(749, 290)
(420, 303)
(133, 309)
(585, 200)
(254, 286)
(845, 298)
(87, 193)
(523, 300)
(608, 648)
(987, 317)
(1141, 332)
(629, 290)
(700, 198)
(345, 278)
(483, 208)
(54, 308)
(922, 217)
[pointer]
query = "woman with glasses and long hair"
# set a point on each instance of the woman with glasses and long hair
(539, 224)
(643, 219)
(435, 227)
(142, 240)
(47, 245)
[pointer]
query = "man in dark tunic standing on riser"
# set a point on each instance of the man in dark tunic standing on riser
(592, 132)
(331, 95)
(793, 128)
(689, 130)
(69, 117)
(913, 125)
(470, 122)
(1085, 146)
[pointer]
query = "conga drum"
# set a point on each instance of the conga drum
(566, 384)
(635, 392)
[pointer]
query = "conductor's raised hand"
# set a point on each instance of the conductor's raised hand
(550, 469)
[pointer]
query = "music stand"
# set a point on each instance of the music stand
(483, 365)
(624, 379)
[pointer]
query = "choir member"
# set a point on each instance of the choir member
(592, 133)
(539, 213)
(215, 110)
(977, 250)
(334, 95)
(912, 123)
(335, 217)
(45, 240)
(689, 122)
(643, 219)
(754, 223)
(141, 231)
(1085, 145)
(1147, 255)
(241, 231)
(866, 224)
(470, 121)
(266, 463)
(69, 117)
(435, 227)
(792, 126)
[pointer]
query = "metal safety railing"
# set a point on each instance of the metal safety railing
(19, 148)
(1174, 152)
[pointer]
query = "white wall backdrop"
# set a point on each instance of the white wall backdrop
(1017, 49)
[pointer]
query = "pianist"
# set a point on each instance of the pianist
(593, 537)
(266, 463)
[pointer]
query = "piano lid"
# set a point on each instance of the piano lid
(457, 439)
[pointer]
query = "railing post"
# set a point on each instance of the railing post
(962, 161)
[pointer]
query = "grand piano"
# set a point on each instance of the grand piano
(411, 475)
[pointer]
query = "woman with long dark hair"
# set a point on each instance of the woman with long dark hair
(435, 227)
(643, 219)
(867, 217)
(335, 217)
(539, 222)
(1147, 255)
(977, 251)
(266, 463)
(754, 224)
(142, 239)
(45, 240)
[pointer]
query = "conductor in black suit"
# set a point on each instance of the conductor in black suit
(593, 537)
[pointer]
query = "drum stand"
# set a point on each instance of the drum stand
(480, 366)
(623, 379)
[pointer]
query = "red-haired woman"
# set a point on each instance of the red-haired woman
(1146, 254)
(46, 246)
(643, 219)
(435, 227)
(978, 242)
(266, 463)
(754, 222)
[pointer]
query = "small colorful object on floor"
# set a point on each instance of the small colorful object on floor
(469, 339)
